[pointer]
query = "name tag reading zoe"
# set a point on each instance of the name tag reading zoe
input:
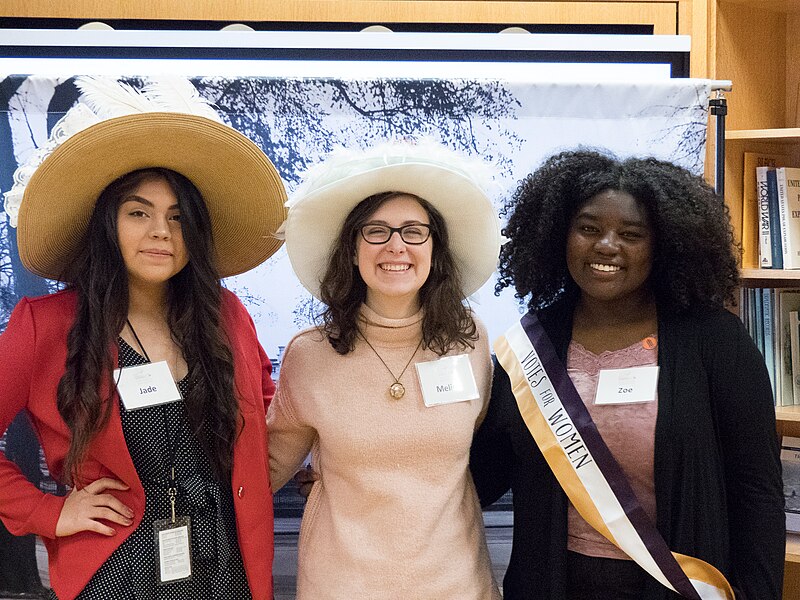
(146, 385)
(627, 386)
(447, 380)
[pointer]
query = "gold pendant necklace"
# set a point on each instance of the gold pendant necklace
(397, 390)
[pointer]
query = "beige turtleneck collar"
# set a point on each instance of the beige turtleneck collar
(390, 333)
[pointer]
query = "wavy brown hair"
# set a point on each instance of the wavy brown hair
(447, 322)
(98, 275)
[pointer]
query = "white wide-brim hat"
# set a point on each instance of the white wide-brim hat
(241, 187)
(453, 184)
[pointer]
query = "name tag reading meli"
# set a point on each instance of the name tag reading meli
(146, 385)
(447, 380)
(626, 386)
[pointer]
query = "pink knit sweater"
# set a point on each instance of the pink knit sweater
(394, 514)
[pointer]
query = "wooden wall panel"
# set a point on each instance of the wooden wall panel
(751, 51)
(792, 72)
(662, 14)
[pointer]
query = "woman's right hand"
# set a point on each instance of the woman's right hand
(305, 479)
(85, 508)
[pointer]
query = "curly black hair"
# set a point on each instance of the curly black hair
(694, 252)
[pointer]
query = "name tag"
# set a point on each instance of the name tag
(447, 380)
(174, 549)
(146, 385)
(626, 386)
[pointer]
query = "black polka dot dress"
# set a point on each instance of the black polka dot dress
(131, 572)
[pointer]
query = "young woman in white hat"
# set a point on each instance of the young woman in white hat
(387, 391)
(144, 379)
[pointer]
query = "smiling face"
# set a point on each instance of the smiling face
(395, 271)
(149, 234)
(610, 248)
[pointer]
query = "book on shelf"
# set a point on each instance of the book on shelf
(754, 192)
(770, 328)
(757, 303)
(794, 341)
(776, 249)
(747, 314)
(764, 229)
(788, 182)
(768, 304)
(788, 301)
(756, 310)
(790, 461)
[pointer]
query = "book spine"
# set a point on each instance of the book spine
(791, 198)
(794, 336)
(769, 337)
(784, 213)
(757, 304)
(777, 302)
(764, 240)
(774, 221)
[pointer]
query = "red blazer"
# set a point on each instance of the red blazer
(32, 360)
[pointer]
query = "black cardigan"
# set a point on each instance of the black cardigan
(719, 494)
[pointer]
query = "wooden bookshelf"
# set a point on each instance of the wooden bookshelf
(788, 135)
(769, 278)
(745, 41)
(752, 44)
(788, 413)
(793, 547)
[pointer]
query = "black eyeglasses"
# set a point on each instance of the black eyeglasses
(414, 234)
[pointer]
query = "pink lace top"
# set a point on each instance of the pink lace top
(628, 430)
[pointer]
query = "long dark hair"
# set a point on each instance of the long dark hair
(694, 255)
(98, 274)
(446, 323)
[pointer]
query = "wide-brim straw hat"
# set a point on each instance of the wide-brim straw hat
(241, 187)
(453, 184)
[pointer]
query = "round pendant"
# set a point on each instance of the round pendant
(397, 390)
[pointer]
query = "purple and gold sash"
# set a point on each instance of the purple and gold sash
(587, 471)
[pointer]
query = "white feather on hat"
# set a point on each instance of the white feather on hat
(105, 98)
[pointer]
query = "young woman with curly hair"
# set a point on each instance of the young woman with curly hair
(626, 266)
(391, 239)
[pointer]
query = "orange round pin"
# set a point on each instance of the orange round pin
(649, 342)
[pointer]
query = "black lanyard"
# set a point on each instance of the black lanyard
(172, 491)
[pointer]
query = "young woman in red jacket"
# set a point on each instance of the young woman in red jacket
(144, 379)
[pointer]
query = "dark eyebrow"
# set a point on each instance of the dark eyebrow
(145, 201)
(412, 222)
(593, 217)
